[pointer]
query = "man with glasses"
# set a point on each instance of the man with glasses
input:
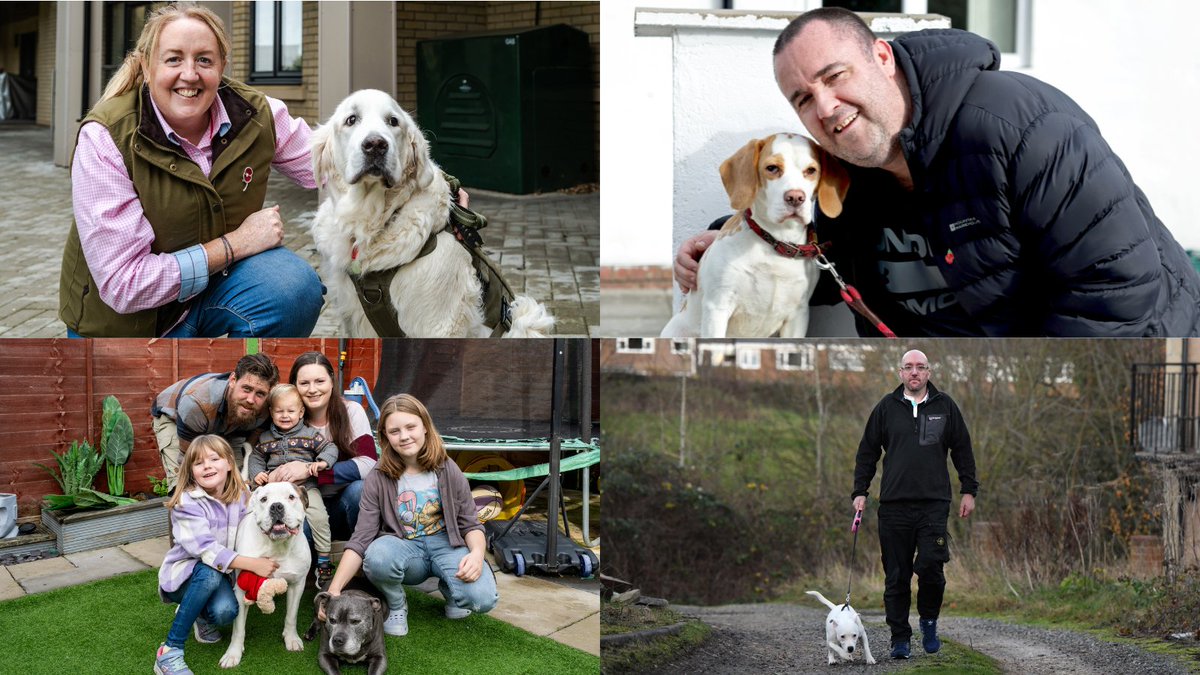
(916, 425)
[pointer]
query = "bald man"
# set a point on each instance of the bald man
(917, 426)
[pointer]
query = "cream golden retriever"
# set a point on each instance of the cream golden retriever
(385, 197)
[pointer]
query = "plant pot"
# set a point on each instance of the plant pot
(84, 530)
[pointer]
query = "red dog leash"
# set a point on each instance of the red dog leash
(813, 250)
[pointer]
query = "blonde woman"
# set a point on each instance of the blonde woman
(417, 521)
(170, 237)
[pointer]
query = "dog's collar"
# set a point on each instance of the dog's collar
(788, 250)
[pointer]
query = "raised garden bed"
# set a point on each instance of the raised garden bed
(85, 530)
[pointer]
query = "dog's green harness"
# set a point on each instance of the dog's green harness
(375, 298)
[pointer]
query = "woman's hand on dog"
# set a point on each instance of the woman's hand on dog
(464, 199)
(687, 261)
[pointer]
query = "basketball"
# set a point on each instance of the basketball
(488, 502)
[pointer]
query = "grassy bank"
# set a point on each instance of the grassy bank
(635, 656)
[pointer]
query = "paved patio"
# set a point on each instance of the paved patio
(548, 245)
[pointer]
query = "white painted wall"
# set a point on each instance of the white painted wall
(1129, 64)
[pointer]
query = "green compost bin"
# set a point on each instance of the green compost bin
(510, 110)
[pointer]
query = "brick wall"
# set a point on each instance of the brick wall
(47, 39)
(301, 99)
(416, 21)
(642, 277)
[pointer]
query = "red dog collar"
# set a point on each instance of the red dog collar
(783, 248)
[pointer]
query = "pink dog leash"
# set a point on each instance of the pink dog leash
(854, 547)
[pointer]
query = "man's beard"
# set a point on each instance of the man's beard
(241, 415)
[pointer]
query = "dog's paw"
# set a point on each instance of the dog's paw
(231, 658)
(870, 660)
(292, 642)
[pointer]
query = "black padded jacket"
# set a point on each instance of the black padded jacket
(1035, 224)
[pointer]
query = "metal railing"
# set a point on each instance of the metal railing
(1164, 408)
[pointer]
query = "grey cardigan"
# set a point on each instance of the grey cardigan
(377, 512)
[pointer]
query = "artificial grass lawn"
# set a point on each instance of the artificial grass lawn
(115, 625)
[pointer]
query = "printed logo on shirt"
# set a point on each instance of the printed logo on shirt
(908, 269)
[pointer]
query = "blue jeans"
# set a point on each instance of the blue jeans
(392, 562)
(270, 294)
(343, 510)
(208, 593)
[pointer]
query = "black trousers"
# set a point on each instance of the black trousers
(907, 529)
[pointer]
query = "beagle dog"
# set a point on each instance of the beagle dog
(756, 278)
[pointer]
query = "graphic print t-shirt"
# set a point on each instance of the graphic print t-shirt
(419, 505)
(880, 241)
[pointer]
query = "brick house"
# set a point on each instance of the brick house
(312, 55)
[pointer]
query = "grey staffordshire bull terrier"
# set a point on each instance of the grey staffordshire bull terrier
(352, 631)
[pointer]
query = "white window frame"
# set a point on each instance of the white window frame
(807, 355)
(749, 358)
(647, 346)
(845, 358)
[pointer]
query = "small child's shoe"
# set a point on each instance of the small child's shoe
(267, 592)
(453, 612)
(169, 661)
(396, 622)
(324, 573)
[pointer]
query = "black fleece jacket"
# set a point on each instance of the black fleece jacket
(914, 466)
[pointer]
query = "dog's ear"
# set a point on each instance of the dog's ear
(423, 165)
(303, 495)
(324, 158)
(739, 174)
(376, 604)
(320, 600)
(835, 181)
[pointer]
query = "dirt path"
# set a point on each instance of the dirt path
(778, 638)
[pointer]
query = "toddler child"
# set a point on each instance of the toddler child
(289, 439)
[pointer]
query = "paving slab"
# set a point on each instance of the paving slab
(583, 635)
(101, 563)
(40, 568)
(149, 551)
(545, 607)
(9, 588)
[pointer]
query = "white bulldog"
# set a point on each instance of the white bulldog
(843, 628)
(272, 528)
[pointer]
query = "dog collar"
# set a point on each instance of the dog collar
(786, 249)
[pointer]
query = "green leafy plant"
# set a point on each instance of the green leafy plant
(76, 469)
(116, 443)
(160, 485)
